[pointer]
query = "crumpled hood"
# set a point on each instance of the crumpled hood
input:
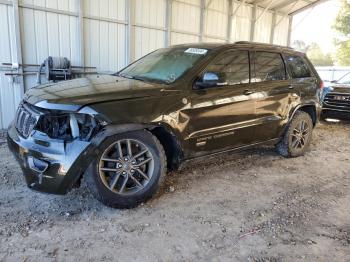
(73, 94)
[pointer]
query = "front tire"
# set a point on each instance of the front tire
(128, 169)
(297, 137)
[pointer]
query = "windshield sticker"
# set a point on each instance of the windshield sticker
(196, 51)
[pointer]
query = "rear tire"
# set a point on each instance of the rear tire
(128, 169)
(296, 139)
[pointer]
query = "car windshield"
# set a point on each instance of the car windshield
(345, 79)
(164, 65)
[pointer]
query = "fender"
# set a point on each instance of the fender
(111, 130)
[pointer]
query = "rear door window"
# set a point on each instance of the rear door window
(232, 67)
(297, 66)
(267, 66)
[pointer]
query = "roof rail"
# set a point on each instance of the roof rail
(262, 44)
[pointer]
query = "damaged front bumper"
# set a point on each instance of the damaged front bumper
(50, 165)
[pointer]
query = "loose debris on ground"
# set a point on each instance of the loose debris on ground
(248, 206)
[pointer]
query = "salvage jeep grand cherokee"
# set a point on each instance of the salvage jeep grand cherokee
(121, 132)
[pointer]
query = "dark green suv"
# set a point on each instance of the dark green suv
(122, 132)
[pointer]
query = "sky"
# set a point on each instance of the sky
(315, 25)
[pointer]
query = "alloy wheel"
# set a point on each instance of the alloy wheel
(300, 135)
(126, 166)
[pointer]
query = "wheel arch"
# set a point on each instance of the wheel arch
(310, 109)
(111, 130)
(162, 131)
(170, 142)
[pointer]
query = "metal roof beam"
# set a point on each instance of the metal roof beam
(284, 4)
(257, 2)
(238, 7)
(208, 4)
(289, 10)
(265, 10)
(311, 5)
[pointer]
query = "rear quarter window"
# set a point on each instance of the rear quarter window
(267, 66)
(297, 66)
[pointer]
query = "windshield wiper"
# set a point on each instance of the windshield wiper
(142, 78)
(147, 79)
(123, 75)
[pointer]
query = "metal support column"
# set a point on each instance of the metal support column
(81, 32)
(202, 21)
(168, 19)
(229, 21)
(290, 30)
(130, 40)
(18, 44)
(273, 27)
(252, 27)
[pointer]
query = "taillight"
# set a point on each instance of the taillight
(321, 85)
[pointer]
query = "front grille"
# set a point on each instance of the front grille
(25, 120)
(338, 101)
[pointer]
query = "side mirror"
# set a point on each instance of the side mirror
(209, 79)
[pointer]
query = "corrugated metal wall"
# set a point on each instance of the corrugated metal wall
(241, 22)
(52, 27)
(105, 34)
(149, 26)
(263, 26)
(281, 34)
(46, 34)
(10, 89)
(185, 22)
(216, 21)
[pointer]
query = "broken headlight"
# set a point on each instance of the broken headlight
(67, 126)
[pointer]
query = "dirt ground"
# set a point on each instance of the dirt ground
(250, 206)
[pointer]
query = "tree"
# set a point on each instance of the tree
(318, 57)
(343, 53)
(299, 45)
(342, 25)
(342, 22)
(314, 52)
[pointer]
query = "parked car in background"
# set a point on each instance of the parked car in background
(122, 131)
(336, 102)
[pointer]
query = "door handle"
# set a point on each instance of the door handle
(248, 92)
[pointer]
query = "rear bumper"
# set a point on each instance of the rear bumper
(66, 161)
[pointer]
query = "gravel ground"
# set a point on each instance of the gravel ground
(251, 206)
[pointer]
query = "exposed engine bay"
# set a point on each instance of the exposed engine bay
(56, 124)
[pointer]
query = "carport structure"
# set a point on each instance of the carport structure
(109, 34)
